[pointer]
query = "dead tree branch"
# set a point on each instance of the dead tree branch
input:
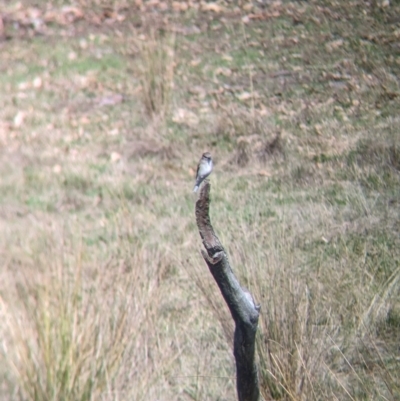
(243, 309)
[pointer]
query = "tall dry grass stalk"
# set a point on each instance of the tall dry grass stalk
(64, 343)
(74, 330)
(291, 343)
(157, 67)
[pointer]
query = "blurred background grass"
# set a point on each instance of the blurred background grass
(105, 109)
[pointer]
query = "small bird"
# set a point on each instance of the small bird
(203, 169)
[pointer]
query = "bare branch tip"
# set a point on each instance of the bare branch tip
(205, 191)
(203, 203)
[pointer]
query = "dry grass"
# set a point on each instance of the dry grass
(319, 316)
(157, 71)
(71, 329)
(103, 292)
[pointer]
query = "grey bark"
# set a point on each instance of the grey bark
(241, 304)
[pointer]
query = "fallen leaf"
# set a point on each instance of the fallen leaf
(72, 13)
(178, 6)
(64, 16)
(195, 62)
(115, 156)
(262, 16)
(24, 86)
(113, 132)
(334, 44)
(110, 100)
(37, 83)
(187, 117)
(72, 56)
(83, 44)
(226, 72)
(199, 91)
(19, 119)
(247, 95)
(213, 7)
(247, 7)
(318, 129)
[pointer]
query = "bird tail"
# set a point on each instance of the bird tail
(196, 187)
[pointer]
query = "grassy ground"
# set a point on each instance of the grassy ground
(104, 113)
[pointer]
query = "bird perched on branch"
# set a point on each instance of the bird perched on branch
(203, 169)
